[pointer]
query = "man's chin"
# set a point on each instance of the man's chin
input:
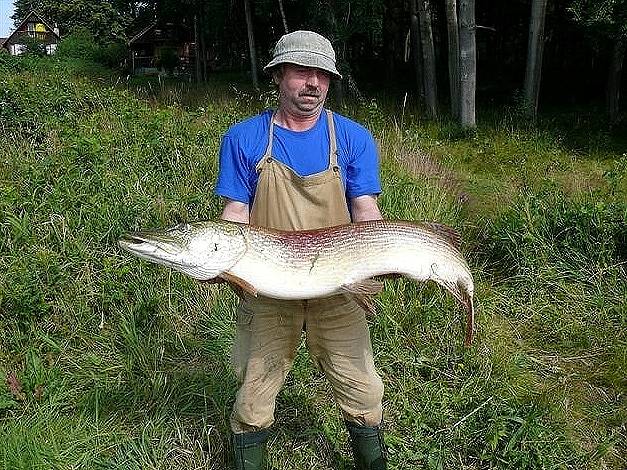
(309, 106)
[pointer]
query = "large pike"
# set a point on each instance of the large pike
(312, 263)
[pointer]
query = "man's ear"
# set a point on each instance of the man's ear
(277, 74)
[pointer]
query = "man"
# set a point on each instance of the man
(302, 167)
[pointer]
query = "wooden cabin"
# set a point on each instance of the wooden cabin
(162, 48)
(35, 27)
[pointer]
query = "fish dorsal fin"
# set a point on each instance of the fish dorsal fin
(446, 232)
(361, 292)
(239, 284)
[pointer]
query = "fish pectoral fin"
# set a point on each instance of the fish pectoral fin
(239, 284)
(362, 292)
(365, 287)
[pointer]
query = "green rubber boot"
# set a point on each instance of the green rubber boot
(250, 450)
(368, 446)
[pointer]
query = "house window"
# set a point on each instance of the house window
(16, 49)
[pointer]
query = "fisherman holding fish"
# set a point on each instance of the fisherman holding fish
(302, 242)
(302, 167)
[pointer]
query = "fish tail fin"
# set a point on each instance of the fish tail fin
(464, 297)
(470, 317)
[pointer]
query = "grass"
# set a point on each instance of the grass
(109, 362)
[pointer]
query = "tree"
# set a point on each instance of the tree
(428, 56)
(251, 44)
(283, 18)
(467, 63)
(453, 55)
(416, 49)
(606, 22)
(535, 50)
(106, 19)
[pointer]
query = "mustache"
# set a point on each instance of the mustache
(315, 94)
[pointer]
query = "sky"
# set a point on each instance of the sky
(6, 24)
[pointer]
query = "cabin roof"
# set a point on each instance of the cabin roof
(25, 20)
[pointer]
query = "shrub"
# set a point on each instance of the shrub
(33, 46)
(80, 44)
(112, 54)
(547, 229)
(168, 59)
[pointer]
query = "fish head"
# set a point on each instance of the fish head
(202, 250)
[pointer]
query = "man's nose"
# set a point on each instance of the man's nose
(313, 78)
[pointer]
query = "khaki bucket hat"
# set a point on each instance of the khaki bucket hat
(304, 48)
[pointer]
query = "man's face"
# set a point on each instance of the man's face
(303, 90)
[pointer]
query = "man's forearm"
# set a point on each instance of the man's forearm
(235, 211)
(365, 208)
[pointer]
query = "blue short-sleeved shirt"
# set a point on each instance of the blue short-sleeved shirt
(305, 152)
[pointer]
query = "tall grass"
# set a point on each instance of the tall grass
(109, 362)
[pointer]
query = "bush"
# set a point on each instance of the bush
(547, 229)
(112, 54)
(33, 46)
(168, 59)
(80, 44)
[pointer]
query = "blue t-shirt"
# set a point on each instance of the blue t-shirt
(305, 152)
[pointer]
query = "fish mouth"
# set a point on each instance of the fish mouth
(140, 240)
(163, 250)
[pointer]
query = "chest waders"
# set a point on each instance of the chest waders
(269, 330)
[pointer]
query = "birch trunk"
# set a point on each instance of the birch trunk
(614, 79)
(282, 11)
(535, 49)
(251, 43)
(428, 57)
(453, 55)
(467, 63)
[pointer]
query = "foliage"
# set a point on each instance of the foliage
(549, 229)
(105, 19)
(606, 18)
(33, 46)
(168, 58)
(80, 44)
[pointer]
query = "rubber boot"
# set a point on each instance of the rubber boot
(368, 446)
(250, 450)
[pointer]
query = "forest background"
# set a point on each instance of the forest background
(570, 51)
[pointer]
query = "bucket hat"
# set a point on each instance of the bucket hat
(304, 48)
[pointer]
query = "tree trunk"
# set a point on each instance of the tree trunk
(467, 63)
(614, 79)
(251, 43)
(283, 16)
(416, 50)
(390, 36)
(453, 55)
(196, 50)
(203, 56)
(534, 56)
(428, 57)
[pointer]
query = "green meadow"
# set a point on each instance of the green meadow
(109, 362)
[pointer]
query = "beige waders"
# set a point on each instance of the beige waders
(268, 330)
